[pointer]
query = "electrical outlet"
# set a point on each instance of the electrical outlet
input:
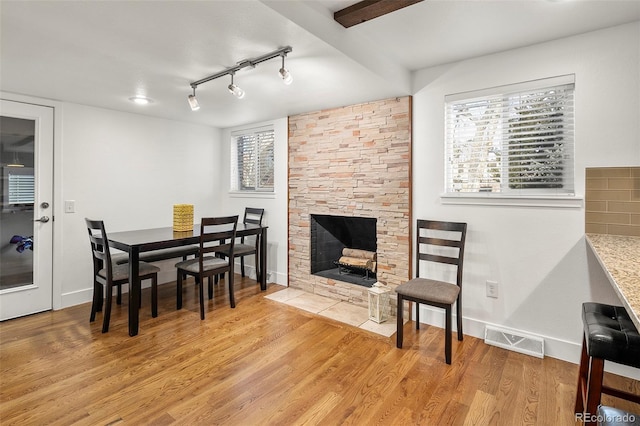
(492, 289)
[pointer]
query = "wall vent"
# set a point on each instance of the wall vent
(514, 341)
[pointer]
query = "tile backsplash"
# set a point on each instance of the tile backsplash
(613, 201)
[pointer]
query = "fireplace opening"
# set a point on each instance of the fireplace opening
(343, 248)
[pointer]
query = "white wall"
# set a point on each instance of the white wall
(128, 170)
(538, 255)
(275, 205)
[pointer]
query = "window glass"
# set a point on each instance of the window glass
(511, 140)
(252, 160)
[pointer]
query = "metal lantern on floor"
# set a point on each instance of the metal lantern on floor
(378, 302)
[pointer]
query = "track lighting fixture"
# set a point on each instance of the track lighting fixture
(286, 76)
(193, 101)
(237, 91)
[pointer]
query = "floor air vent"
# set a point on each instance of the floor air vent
(514, 341)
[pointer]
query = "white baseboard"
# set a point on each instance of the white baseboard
(553, 347)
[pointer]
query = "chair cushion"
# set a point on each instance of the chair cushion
(208, 263)
(119, 258)
(610, 334)
(240, 250)
(609, 416)
(429, 290)
(169, 253)
(121, 272)
(156, 255)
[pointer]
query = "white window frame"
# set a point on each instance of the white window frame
(260, 162)
(492, 186)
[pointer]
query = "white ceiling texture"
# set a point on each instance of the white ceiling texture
(101, 53)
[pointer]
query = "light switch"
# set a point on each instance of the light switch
(70, 206)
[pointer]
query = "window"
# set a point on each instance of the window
(511, 141)
(252, 160)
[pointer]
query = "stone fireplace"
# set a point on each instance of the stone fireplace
(355, 162)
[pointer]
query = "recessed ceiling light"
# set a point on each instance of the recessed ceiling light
(141, 100)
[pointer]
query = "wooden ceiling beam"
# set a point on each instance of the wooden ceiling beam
(369, 9)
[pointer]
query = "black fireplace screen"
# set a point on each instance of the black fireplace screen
(330, 235)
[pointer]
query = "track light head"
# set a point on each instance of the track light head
(193, 101)
(286, 76)
(235, 90)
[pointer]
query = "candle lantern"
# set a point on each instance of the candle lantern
(378, 302)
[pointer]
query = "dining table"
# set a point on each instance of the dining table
(135, 242)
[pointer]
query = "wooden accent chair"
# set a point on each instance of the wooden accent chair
(107, 274)
(434, 245)
(214, 234)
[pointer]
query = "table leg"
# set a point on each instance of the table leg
(134, 290)
(263, 259)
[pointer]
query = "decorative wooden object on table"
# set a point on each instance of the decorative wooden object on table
(183, 217)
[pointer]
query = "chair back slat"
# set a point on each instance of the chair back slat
(427, 246)
(439, 242)
(439, 259)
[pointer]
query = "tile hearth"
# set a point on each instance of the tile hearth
(344, 312)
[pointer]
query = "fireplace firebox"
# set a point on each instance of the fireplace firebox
(337, 238)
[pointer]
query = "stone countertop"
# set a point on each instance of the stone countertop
(620, 257)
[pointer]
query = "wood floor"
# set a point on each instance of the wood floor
(265, 363)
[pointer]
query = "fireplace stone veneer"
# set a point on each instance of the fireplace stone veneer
(352, 161)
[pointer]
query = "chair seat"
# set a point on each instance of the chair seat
(162, 254)
(610, 334)
(121, 272)
(241, 250)
(208, 263)
(432, 290)
(119, 258)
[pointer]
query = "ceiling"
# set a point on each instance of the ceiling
(101, 53)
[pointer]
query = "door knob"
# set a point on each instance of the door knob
(43, 219)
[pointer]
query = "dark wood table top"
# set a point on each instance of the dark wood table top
(158, 238)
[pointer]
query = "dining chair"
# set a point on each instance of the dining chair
(217, 235)
(249, 245)
(436, 242)
(107, 274)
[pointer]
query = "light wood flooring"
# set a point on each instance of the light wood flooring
(265, 363)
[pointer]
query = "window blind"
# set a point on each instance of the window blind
(514, 140)
(253, 160)
(21, 189)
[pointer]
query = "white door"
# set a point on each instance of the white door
(26, 211)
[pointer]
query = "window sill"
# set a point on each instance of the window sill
(251, 194)
(571, 202)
